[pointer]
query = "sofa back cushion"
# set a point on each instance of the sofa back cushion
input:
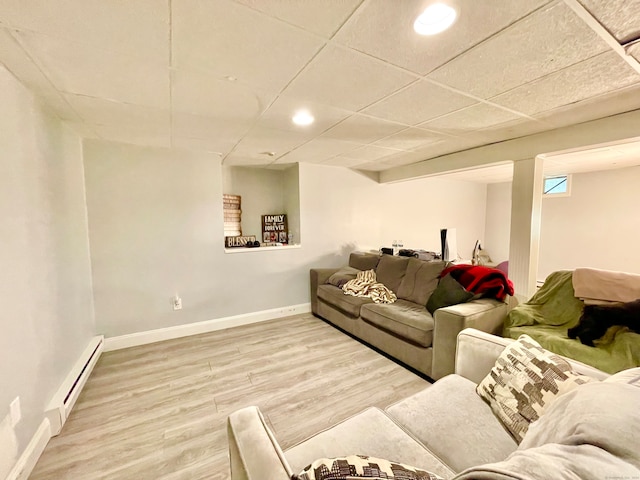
(420, 280)
(363, 260)
(390, 271)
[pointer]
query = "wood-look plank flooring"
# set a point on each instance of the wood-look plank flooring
(158, 411)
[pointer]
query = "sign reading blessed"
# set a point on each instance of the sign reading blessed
(238, 241)
(274, 229)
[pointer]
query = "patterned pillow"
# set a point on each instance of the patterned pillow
(361, 466)
(525, 380)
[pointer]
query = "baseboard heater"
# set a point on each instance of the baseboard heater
(65, 398)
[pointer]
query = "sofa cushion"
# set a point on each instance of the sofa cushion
(420, 280)
(361, 466)
(453, 422)
(342, 276)
(630, 376)
(370, 432)
(364, 261)
(405, 319)
(448, 292)
(336, 297)
(391, 270)
(524, 382)
(590, 433)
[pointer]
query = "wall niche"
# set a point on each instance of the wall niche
(265, 191)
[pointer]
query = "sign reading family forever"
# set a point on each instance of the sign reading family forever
(274, 228)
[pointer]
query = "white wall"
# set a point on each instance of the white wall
(596, 226)
(45, 279)
(498, 222)
(155, 222)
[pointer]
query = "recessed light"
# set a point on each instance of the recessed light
(303, 117)
(436, 18)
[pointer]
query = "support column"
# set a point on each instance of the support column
(526, 212)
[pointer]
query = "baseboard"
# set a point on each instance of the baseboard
(65, 398)
(169, 333)
(27, 461)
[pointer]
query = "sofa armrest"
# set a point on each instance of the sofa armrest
(254, 453)
(484, 314)
(318, 276)
(477, 352)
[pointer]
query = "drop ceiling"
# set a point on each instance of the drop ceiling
(226, 76)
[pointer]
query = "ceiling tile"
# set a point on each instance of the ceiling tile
(231, 39)
(261, 140)
(512, 129)
(217, 131)
(81, 69)
(135, 136)
(593, 77)
(547, 41)
(383, 29)
(205, 106)
(409, 139)
(623, 100)
(345, 162)
(619, 17)
(418, 103)
(280, 112)
(371, 167)
(346, 79)
(107, 112)
(213, 145)
(323, 18)
(137, 28)
(369, 153)
(20, 65)
(319, 149)
(362, 129)
(470, 119)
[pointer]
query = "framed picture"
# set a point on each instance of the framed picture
(274, 228)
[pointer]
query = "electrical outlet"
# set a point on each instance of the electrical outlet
(16, 412)
(177, 303)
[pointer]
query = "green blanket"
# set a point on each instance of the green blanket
(553, 304)
(548, 315)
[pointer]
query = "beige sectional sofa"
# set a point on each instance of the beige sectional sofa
(447, 428)
(405, 329)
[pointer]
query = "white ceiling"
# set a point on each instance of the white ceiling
(226, 76)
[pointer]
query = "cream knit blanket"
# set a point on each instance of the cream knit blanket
(595, 286)
(365, 285)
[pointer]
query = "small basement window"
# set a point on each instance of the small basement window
(557, 186)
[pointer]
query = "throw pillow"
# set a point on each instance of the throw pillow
(420, 280)
(525, 380)
(448, 292)
(342, 276)
(361, 466)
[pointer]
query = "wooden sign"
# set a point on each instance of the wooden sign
(274, 228)
(238, 241)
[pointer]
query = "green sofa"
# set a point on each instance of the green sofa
(554, 309)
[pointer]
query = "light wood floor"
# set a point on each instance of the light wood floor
(158, 411)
